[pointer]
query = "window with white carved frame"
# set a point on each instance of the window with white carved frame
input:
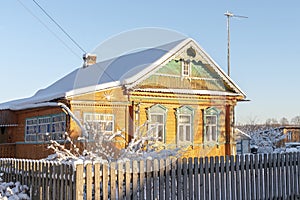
(98, 123)
(185, 118)
(211, 125)
(157, 121)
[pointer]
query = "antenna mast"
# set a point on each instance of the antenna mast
(228, 15)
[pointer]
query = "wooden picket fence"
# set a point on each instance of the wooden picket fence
(268, 176)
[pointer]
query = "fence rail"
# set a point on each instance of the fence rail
(260, 176)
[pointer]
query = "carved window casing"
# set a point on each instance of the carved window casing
(211, 125)
(185, 119)
(157, 121)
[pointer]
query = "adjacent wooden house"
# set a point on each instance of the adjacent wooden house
(183, 95)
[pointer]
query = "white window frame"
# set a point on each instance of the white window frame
(33, 132)
(185, 127)
(98, 121)
(185, 67)
(211, 130)
(154, 127)
(185, 111)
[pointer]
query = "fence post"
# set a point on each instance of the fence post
(79, 181)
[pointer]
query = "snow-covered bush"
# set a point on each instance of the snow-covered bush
(144, 145)
(12, 191)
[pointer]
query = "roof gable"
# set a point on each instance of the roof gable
(167, 73)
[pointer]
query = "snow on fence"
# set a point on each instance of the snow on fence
(260, 176)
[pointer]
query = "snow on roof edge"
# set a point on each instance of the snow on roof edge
(184, 91)
(92, 88)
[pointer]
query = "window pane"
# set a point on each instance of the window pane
(188, 133)
(181, 133)
(160, 130)
(214, 133)
(208, 133)
(184, 119)
(157, 118)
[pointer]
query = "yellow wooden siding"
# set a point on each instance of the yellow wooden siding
(199, 148)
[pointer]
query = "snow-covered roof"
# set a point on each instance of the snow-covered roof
(123, 70)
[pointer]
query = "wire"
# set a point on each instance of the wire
(55, 35)
(59, 26)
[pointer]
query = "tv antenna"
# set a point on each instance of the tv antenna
(229, 15)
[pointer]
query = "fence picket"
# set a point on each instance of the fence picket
(148, 179)
(89, 180)
(222, 174)
(112, 181)
(256, 175)
(97, 180)
(212, 177)
(134, 179)
(173, 179)
(104, 181)
(294, 167)
(120, 180)
(237, 178)
(79, 181)
(179, 179)
(185, 178)
(196, 178)
(190, 177)
(217, 177)
(275, 175)
(127, 180)
(232, 176)
(243, 180)
(142, 180)
(206, 179)
(227, 185)
(261, 176)
(287, 178)
(298, 176)
(167, 179)
(162, 170)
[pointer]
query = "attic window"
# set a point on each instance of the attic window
(186, 67)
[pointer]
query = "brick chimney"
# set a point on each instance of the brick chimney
(89, 59)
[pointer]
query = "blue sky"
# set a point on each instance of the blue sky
(264, 48)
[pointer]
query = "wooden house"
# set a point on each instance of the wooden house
(177, 88)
